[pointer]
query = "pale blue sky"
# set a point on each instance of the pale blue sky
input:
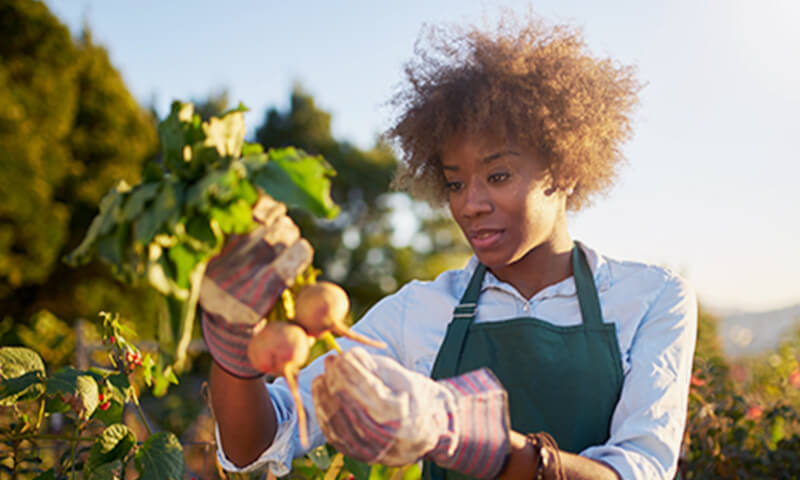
(711, 186)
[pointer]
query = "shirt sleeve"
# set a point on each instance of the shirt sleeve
(384, 321)
(648, 423)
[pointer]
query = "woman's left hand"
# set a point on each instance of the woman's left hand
(373, 409)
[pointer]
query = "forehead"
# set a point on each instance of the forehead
(475, 151)
(472, 146)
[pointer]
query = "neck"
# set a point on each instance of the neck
(546, 264)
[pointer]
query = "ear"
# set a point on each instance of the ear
(567, 187)
(570, 187)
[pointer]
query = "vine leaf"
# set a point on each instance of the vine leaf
(106, 471)
(78, 388)
(108, 451)
(21, 374)
(160, 458)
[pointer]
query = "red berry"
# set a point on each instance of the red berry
(754, 412)
(794, 378)
(105, 405)
(99, 397)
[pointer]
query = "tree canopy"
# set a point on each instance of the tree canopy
(69, 129)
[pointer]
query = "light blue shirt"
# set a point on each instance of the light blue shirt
(655, 313)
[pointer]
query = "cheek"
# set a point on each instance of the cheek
(539, 212)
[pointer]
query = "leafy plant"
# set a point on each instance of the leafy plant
(739, 428)
(166, 228)
(92, 400)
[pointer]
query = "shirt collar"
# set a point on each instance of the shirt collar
(597, 263)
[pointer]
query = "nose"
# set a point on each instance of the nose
(476, 200)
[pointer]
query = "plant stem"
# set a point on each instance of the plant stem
(50, 436)
(72, 462)
(141, 414)
(40, 416)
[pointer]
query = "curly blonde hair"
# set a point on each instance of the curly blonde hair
(533, 83)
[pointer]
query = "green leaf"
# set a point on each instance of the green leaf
(777, 431)
(147, 369)
(47, 475)
(113, 249)
(184, 259)
(113, 445)
(236, 217)
(160, 458)
(19, 388)
(412, 472)
(152, 172)
(162, 214)
(111, 415)
(163, 377)
(106, 471)
(139, 196)
(320, 457)
(216, 184)
(161, 275)
(201, 236)
(80, 385)
(120, 387)
(251, 149)
(22, 373)
(171, 133)
(297, 179)
(226, 134)
(360, 470)
(247, 192)
(102, 224)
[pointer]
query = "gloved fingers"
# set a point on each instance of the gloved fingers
(352, 375)
(243, 282)
(347, 427)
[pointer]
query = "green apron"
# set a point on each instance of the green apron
(562, 380)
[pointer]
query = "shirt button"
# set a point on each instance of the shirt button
(527, 307)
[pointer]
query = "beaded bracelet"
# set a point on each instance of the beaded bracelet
(548, 460)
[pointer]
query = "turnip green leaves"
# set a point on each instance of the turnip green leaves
(202, 188)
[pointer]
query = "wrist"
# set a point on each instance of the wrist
(521, 460)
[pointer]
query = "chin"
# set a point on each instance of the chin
(493, 260)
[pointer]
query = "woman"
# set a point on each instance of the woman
(587, 357)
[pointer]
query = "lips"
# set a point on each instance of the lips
(483, 238)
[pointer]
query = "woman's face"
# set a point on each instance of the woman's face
(502, 197)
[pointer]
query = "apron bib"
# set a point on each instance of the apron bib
(565, 381)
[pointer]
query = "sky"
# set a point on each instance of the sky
(711, 186)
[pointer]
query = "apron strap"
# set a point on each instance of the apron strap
(587, 291)
(449, 356)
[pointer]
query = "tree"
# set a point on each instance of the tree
(69, 129)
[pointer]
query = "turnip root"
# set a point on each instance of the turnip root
(322, 307)
(281, 348)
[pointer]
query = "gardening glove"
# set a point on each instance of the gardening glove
(242, 283)
(373, 409)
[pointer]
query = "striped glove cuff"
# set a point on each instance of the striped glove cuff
(227, 344)
(476, 441)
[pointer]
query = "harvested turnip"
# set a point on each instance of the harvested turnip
(281, 348)
(322, 307)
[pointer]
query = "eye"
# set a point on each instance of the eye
(454, 186)
(499, 177)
